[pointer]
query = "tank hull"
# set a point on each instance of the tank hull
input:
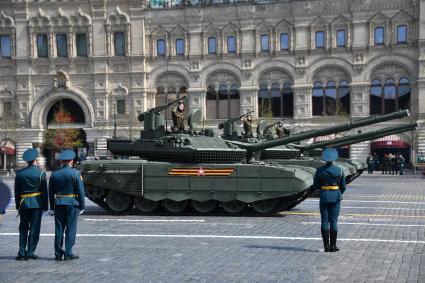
(246, 184)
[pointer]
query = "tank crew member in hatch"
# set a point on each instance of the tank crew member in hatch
(247, 126)
(281, 131)
(177, 115)
(330, 180)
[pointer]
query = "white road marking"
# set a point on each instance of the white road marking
(223, 237)
(372, 201)
(143, 220)
(382, 207)
(370, 224)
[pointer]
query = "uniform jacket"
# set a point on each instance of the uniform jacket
(330, 175)
(66, 181)
(27, 181)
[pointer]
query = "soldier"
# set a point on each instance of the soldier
(177, 115)
(31, 199)
(66, 198)
(281, 131)
(330, 180)
(247, 126)
(369, 162)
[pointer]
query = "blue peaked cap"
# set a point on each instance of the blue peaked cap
(67, 155)
(30, 154)
(330, 154)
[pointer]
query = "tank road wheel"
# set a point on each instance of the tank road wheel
(119, 202)
(176, 206)
(265, 206)
(204, 206)
(146, 205)
(233, 206)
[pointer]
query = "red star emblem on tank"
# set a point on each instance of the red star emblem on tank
(201, 172)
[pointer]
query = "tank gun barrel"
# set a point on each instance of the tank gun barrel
(159, 108)
(233, 120)
(348, 140)
(325, 131)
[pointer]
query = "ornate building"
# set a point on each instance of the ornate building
(316, 62)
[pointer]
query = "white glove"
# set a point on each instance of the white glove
(51, 213)
(81, 212)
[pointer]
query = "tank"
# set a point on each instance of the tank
(196, 169)
(290, 153)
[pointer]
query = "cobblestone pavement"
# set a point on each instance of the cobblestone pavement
(381, 230)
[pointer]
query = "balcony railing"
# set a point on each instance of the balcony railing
(161, 4)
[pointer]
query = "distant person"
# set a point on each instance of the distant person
(375, 162)
(370, 164)
(401, 162)
(31, 199)
(247, 126)
(393, 164)
(177, 115)
(66, 194)
(385, 164)
(281, 131)
(330, 180)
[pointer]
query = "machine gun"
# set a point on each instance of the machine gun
(152, 119)
(229, 126)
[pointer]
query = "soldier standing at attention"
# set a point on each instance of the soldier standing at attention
(66, 198)
(31, 199)
(247, 126)
(177, 115)
(330, 180)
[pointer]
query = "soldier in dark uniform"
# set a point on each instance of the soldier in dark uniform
(31, 199)
(177, 115)
(247, 126)
(281, 131)
(369, 162)
(330, 180)
(66, 198)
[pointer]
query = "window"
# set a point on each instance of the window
(42, 51)
(320, 39)
(223, 104)
(403, 94)
(81, 42)
(317, 99)
(379, 36)
(231, 44)
(265, 42)
(5, 46)
(340, 38)
(389, 97)
(331, 99)
(7, 109)
(343, 105)
(160, 47)
(284, 41)
(120, 107)
(61, 45)
(376, 97)
(119, 43)
(402, 34)
(276, 101)
(179, 46)
(212, 45)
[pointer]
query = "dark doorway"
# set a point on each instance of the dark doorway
(71, 108)
(394, 147)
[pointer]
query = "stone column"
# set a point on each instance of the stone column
(248, 100)
(359, 99)
(302, 101)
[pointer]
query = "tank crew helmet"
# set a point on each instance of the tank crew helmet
(30, 154)
(280, 123)
(67, 155)
(329, 154)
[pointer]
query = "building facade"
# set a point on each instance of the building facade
(316, 62)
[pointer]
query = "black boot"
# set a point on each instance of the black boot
(333, 247)
(325, 237)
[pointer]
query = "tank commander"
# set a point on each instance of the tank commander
(330, 180)
(281, 131)
(66, 195)
(31, 199)
(177, 115)
(247, 126)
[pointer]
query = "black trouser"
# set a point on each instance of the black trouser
(65, 221)
(29, 230)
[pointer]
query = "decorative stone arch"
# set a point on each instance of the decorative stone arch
(6, 21)
(174, 69)
(39, 20)
(118, 17)
(60, 20)
(81, 19)
(401, 61)
(276, 65)
(118, 22)
(221, 67)
(51, 96)
(7, 26)
(336, 63)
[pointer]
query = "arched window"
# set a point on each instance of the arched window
(390, 95)
(263, 100)
(403, 93)
(330, 98)
(343, 106)
(318, 98)
(234, 102)
(223, 102)
(288, 100)
(376, 97)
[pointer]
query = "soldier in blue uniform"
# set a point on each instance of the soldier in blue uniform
(330, 180)
(66, 198)
(31, 199)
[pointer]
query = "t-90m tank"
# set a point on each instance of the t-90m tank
(197, 169)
